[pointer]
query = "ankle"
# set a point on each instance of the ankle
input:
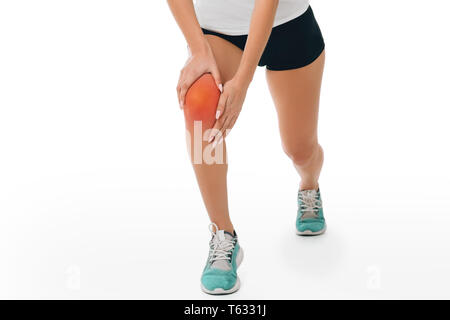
(309, 185)
(228, 227)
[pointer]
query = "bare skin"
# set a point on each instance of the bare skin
(237, 77)
(212, 178)
(295, 93)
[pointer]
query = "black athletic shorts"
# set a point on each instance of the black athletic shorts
(291, 45)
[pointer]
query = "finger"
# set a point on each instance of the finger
(178, 95)
(184, 88)
(220, 136)
(219, 133)
(221, 105)
(180, 82)
(226, 126)
(216, 142)
(216, 75)
(215, 130)
(219, 120)
(189, 79)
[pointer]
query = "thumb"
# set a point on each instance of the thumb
(216, 75)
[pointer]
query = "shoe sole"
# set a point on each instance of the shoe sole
(311, 233)
(237, 285)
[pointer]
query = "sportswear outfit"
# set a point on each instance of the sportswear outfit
(295, 40)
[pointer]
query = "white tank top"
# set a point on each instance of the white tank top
(232, 17)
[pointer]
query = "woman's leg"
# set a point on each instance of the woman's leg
(296, 96)
(212, 178)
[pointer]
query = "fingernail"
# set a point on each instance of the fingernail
(210, 138)
(214, 144)
(217, 114)
(220, 87)
(220, 140)
(181, 105)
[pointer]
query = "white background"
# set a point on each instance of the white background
(98, 199)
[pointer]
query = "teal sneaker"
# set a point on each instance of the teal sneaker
(225, 255)
(310, 220)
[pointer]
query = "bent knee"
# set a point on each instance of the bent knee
(201, 102)
(301, 153)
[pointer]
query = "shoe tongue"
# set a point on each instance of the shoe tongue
(309, 199)
(308, 195)
(222, 264)
(309, 192)
(222, 235)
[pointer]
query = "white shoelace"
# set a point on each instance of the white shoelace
(219, 250)
(309, 204)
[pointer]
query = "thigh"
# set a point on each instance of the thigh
(227, 56)
(296, 95)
